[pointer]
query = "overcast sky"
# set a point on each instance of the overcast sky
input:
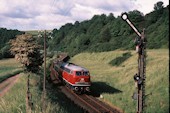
(50, 14)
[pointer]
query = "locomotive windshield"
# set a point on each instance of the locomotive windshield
(79, 73)
(86, 73)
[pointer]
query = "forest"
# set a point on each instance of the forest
(5, 36)
(107, 33)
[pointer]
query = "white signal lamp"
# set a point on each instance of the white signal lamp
(136, 77)
(124, 16)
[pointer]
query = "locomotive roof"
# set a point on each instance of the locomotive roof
(74, 67)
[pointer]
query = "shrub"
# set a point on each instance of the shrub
(119, 60)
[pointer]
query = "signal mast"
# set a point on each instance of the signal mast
(139, 77)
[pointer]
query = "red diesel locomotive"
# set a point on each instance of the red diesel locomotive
(74, 76)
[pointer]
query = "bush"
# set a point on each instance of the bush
(5, 53)
(119, 60)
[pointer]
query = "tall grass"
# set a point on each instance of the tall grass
(14, 100)
(119, 79)
(119, 60)
(8, 68)
(4, 77)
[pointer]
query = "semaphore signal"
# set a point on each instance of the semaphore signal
(139, 77)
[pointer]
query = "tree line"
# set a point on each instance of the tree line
(106, 33)
(5, 36)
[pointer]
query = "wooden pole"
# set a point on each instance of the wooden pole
(44, 90)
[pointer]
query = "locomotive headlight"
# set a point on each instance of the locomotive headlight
(124, 16)
(76, 88)
(87, 89)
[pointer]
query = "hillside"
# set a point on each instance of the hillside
(5, 36)
(116, 83)
(106, 33)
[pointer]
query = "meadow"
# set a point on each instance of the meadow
(114, 82)
(8, 68)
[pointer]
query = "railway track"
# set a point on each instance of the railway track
(89, 103)
(96, 105)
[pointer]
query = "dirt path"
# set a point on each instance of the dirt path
(7, 84)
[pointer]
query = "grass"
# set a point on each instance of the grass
(2, 78)
(35, 32)
(119, 60)
(116, 83)
(14, 100)
(8, 65)
(8, 68)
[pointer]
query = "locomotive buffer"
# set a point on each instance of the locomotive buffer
(140, 77)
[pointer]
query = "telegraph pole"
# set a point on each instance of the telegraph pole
(141, 75)
(45, 33)
(44, 90)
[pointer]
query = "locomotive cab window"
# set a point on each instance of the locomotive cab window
(78, 73)
(86, 73)
(67, 70)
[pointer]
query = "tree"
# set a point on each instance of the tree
(110, 17)
(5, 53)
(26, 50)
(5, 36)
(76, 23)
(158, 5)
(136, 16)
(105, 35)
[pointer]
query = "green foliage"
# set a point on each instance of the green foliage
(5, 53)
(27, 51)
(158, 33)
(5, 36)
(136, 16)
(106, 33)
(158, 5)
(119, 60)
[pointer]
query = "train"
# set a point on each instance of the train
(75, 77)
